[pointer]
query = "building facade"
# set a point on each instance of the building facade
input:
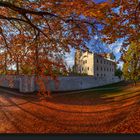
(98, 65)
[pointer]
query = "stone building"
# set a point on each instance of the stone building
(98, 65)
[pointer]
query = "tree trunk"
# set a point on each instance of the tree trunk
(5, 63)
(17, 66)
(36, 61)
(135, 82)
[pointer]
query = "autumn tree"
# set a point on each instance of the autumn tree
(131, 58)
(35, 34)
(122, 23)
(52, 23)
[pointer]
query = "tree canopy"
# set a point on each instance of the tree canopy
(122, 21)
(34, 28)
(131, 58)
(119, 73)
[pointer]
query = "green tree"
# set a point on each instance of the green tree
(131, 58)
(118, 73)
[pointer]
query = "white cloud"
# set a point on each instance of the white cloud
(120, 65)
(115, 47)
(70, 58)
(96, 37)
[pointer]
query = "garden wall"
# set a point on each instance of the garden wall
(28, 83)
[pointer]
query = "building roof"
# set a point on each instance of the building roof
(108, 56)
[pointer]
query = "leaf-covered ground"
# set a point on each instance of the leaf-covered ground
(109, 109)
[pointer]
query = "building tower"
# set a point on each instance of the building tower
(78, 54)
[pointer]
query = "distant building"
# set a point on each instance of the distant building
(98, 65)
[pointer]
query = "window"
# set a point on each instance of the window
(104, 61)
(101, 68)
(107, 69)
(104, 74)
(97, 60)
(101, 61)
(104, 69)
(84, 62)
(101, 75)
(110, 69)
(88, 68)
(97, 74)
(97, 68)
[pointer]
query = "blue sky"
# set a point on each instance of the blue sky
(98, 1)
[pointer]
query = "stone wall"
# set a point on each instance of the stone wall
(80, 82)
(10, 81)
(28, 83)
